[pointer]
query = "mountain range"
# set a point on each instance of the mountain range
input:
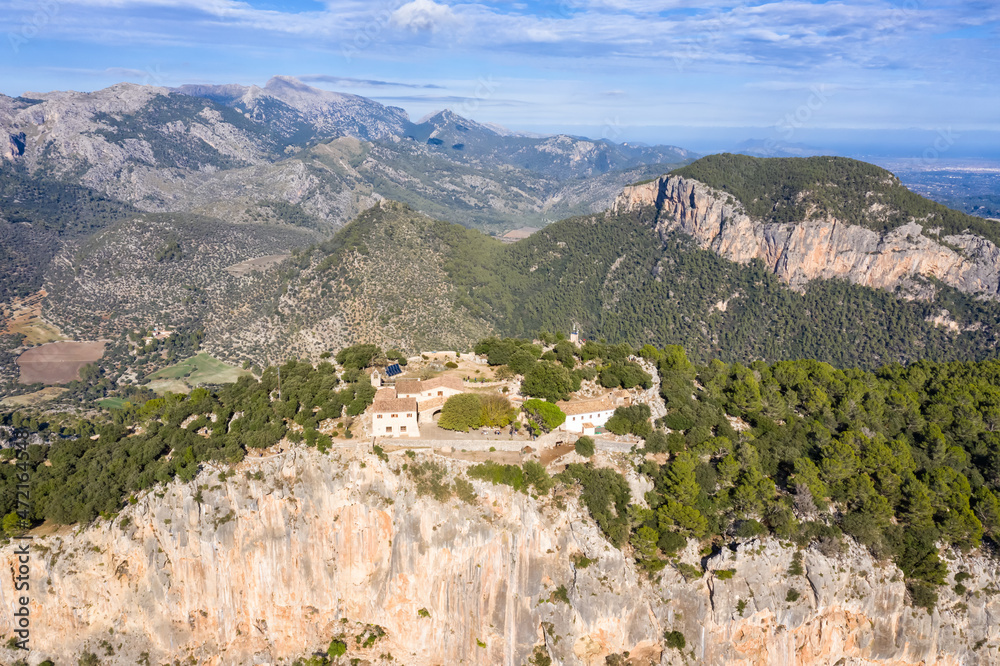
(279, 221)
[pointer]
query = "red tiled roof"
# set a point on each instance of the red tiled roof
(395, 405)
(575, 407)
(387, 393)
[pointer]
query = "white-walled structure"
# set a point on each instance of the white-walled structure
(393, 416)
(585, 416)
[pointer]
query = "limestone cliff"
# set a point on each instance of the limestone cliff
(269, 563)
(817, 248)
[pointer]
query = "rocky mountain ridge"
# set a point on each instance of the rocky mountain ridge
(907, 256)
(269, 563)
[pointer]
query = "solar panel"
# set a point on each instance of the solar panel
(393, 370)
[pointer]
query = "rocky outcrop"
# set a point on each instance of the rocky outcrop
(271, 562)
(817, 248)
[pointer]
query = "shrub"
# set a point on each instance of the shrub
(451, 364)
(675, 639)
(792, 596)
(495, 410)
(725, 574)
(584, 446)
(545, 415)
(423, 612)
(796, 568)
(337, 648)
(461, 412)
(634, 419)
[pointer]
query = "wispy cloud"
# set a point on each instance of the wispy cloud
(369, 83)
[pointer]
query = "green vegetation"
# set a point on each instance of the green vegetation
(675, 640)
(903, 460)
(38, 212)
(532, 475)
(796, 189)
(542, 416)
(630, 420)
(198, 370)
(616, 279)
(89, 477)
(472, 410)
(584, 446)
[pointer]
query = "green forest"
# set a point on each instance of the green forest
(793, 189)
(901, 459)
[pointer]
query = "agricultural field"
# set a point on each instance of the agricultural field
(192, 372)
(57, 362)
(112, 403)
(33, 399)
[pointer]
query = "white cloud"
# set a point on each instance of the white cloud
(423, 16)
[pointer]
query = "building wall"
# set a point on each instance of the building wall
(575, 423)
(402, 424)
(441, 391)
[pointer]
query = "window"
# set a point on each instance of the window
(402, 428)
(388, 428)
(395, 416)
(409, 416)
(440, 393)
(378, 416)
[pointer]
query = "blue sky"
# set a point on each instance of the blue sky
(617, 68)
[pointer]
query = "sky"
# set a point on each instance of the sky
(650, 70)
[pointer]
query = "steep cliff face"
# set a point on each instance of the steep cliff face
(294, 549)
(817, 248)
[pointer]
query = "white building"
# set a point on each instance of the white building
(585, 416)
(393, 416)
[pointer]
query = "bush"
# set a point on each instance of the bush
(792, 596)
(461, 412)
(584, 446)
(495, 410)
(675, 639)
(545, 415)
(337, 648)
(634, 419)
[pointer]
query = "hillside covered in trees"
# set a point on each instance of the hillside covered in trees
(793, 189)
(904, 459)
(612, 277)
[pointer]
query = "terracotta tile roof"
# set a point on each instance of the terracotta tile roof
(431, 403)
(576, 407)
(387, 393)
(415, 386)
(407, 386)
(449, 381)
(395, 405)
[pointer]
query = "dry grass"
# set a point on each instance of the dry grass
(257, 264)
(24, 315)
(33, 399)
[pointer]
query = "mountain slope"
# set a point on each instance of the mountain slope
(230, 150)
(822, 218)
(611, 275)
(559, 156)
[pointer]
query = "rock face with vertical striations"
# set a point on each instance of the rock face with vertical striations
(821, 245)
(294, 549)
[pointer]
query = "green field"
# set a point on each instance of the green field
(189, 373)
(112, 403)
